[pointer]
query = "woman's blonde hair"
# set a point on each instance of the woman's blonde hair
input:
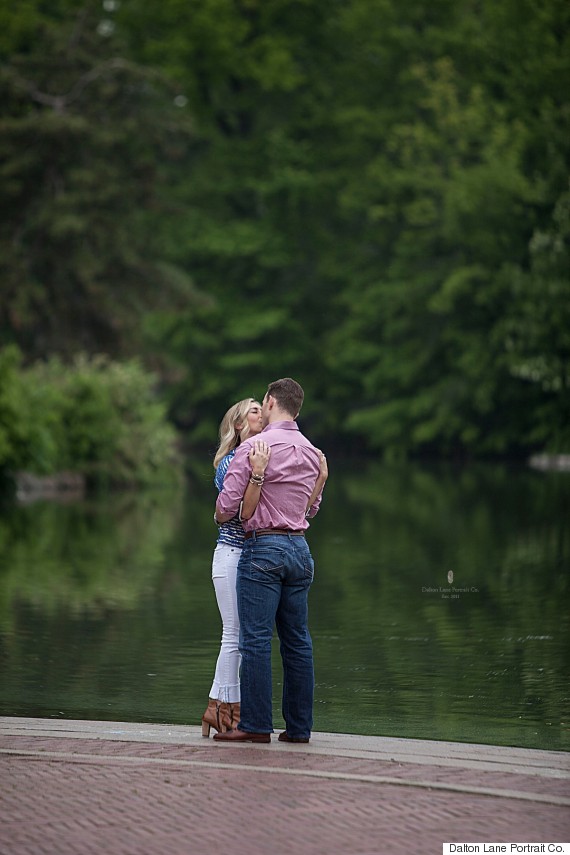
(230, 436)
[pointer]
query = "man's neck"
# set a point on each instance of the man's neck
(279, 416)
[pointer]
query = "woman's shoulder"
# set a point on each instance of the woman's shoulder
(226, 460)
(222, 467)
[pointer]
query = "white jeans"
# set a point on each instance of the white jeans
(224, 571)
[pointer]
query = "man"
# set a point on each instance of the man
(276, 569)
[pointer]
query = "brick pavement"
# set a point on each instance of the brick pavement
(85, 787)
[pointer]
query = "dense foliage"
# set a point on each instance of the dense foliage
(370, 196)
(96, 417)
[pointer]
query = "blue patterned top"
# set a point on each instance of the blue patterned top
(230, 532)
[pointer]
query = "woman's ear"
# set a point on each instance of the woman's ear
(238, 428)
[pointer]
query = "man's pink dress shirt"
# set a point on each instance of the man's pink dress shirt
(290, 476)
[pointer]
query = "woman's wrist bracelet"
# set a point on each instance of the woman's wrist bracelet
(256, 479)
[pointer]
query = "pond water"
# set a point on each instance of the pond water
(107, 609)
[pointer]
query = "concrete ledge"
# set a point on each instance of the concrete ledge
(551, 764)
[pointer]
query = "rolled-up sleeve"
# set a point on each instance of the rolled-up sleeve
(314, 509)
(235, 483)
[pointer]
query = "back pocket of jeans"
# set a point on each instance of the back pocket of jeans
(309, 566)
(267, 561)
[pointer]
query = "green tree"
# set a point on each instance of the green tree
(82, 139)
(448, 207)
(537, 330)
(251, 201)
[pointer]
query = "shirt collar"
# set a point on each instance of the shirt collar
(286, 425)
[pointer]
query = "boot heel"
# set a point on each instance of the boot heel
(216, 715)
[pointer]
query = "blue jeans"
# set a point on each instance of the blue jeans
(273, 580)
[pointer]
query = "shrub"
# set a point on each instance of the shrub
(97, 417)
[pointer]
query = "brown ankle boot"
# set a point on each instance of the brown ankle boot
(229, 714)
(234, 715)
(226, 715)
(214, 716)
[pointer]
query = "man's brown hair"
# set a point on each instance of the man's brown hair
(288, 394)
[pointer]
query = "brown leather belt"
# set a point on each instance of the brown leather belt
(266, 531)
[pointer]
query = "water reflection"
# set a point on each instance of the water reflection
(107, 610)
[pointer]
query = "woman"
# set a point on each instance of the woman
(241, 421)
